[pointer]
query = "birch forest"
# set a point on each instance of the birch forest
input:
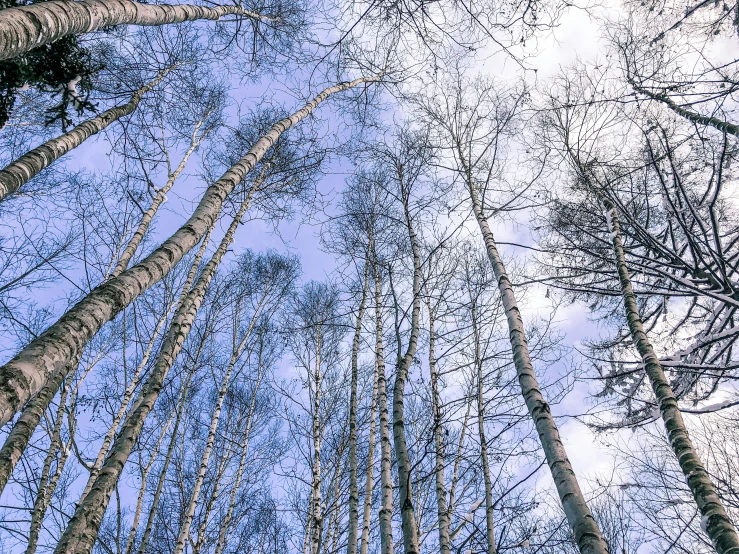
(369, 277)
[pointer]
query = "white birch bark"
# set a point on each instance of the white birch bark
(316, 508)
(386, 507)
(19, 172)
(23, 28)
(25, 374)
(407, 512)
(442, 510)
(489, 522)
(238, 349)
(353, 487)
(81, 532)
(715, 521)
(587, 534)
(226, 522)
(369, 478)
(142, 487)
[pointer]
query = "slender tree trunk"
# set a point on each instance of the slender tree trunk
(489, 522)
(441, 500)
(159, 199)
(316, 508)
(43, 496)
(353, 487)
(31, 368)
(715, 521)
(19, 172)
(142, 488)
(407, 513)
(23, 28)
(184, 531)
(223, 531)
(19, 436)
(369, 481)
(127, 395)
(81, 532)
(693, 117)
(170, 449)
(458, 460)
(386, 507)
(200, 542)
(587, 534)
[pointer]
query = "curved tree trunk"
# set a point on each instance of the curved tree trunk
(407, 512)
(353, 488)
(34, 365)
(715, 521)
(23, 28)
(19, 172)
(386, 507)
(587, 534)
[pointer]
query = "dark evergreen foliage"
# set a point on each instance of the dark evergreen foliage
(63, 68)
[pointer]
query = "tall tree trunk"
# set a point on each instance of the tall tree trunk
(168, 457)
(441, 499)
(690, 115)
(715, 521)
(226, 522)
(43, 496)
(455, 470)
(587, 534)
(144, 480)
(238, 349)
(407, 513)
(19, 436)
(81, 532)
(31, 368)
(386, 476)
(19, 172)
(489, 522)
(23, 28)
(369, 481)
(127, 395)
(316, 508)
(353, 488)
(159, 198)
